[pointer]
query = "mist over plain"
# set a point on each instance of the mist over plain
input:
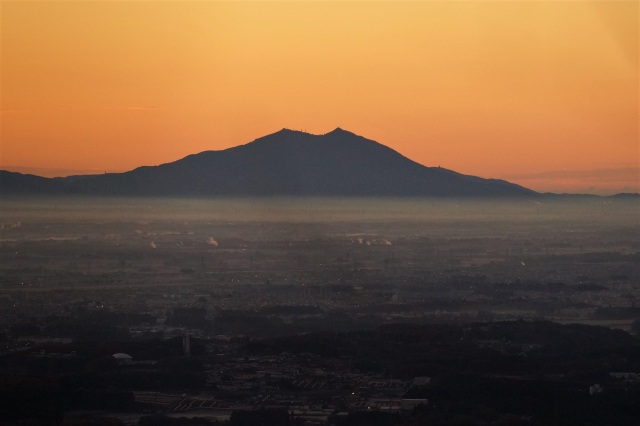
(593, 210)
(270, 235)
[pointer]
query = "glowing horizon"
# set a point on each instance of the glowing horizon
(543, 94)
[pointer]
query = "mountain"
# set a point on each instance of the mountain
(285, 163)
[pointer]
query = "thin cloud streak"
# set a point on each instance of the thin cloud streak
(605, 181)
(15, 111)
(136, 108)
(608, 174)
(54, 172)
(40, 110)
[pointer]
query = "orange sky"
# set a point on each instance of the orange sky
(542, 93)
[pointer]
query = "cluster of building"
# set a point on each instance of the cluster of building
(308, 386)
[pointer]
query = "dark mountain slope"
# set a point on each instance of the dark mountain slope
(18, 183)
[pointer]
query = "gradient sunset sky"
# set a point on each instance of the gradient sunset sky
(541, 93)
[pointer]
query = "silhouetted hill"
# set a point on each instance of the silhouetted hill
(626, 196)
(286, 163)
(18, 183)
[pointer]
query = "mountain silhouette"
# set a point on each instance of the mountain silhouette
(285, 163)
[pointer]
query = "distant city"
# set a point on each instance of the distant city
(319, 311)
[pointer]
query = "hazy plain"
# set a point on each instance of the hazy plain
(595, 210)
(379, 259)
